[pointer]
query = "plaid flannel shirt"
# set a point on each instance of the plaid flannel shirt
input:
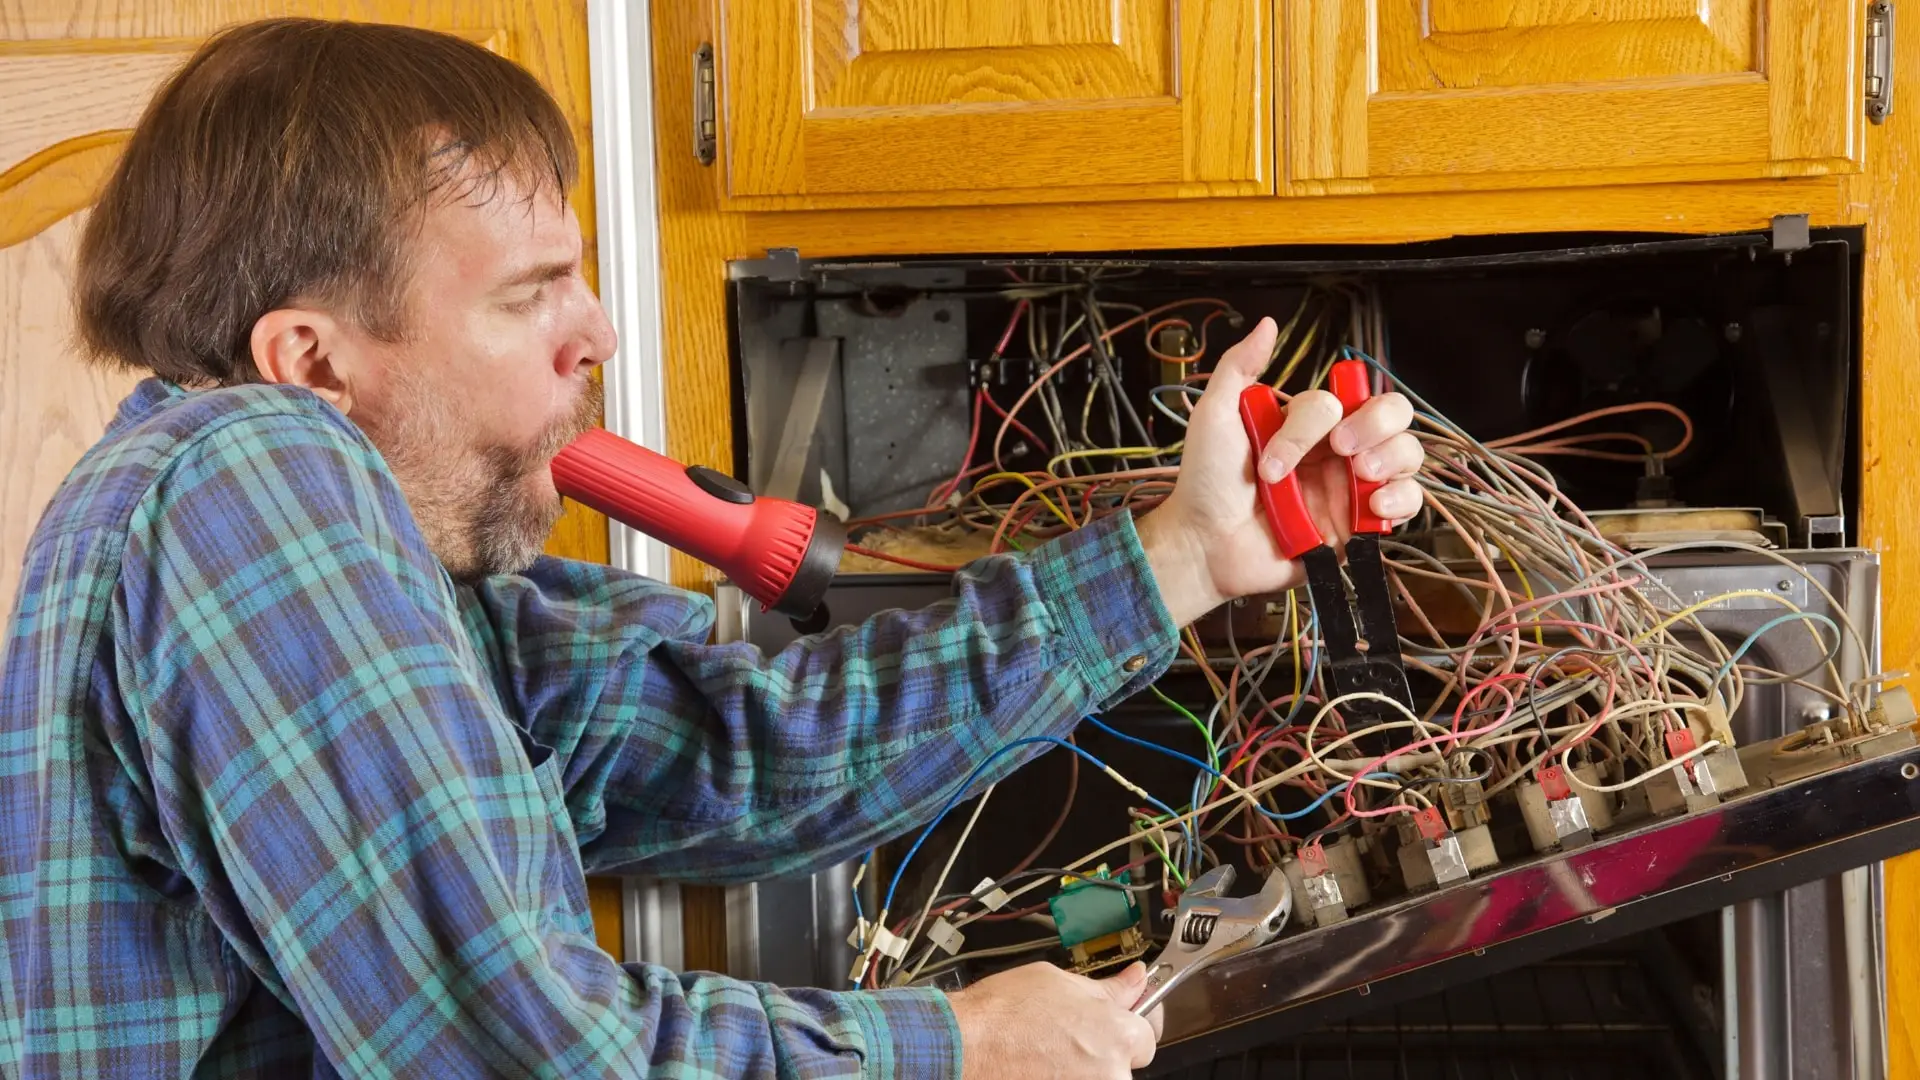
(277, 798)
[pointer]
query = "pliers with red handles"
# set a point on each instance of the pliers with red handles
(1358, 625)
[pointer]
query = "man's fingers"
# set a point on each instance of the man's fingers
(1372, 424)
(1399, 456)
(1397, 501)
(1243, 363)
(1157, 1019)
(1143, 1039)
(1141, 1034)
(1310, 416)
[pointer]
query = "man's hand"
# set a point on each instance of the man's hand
(1210, 541)
(1039, 1021)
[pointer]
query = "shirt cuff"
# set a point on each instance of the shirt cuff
(1101, 592)
(910, 1033)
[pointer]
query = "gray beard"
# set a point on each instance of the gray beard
(476, 510)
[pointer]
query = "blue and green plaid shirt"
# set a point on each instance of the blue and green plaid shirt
(278, 799)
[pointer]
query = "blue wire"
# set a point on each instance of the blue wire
(1754, 638)
(860, 876)
(1158, 403)
(1156, 747)
(1331, 792)
(967, 784)
(1204, 767)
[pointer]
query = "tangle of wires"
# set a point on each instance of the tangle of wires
(1534, 639)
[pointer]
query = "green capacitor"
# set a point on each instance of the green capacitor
(1083, 910)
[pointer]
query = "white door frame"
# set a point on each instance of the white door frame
(627, 213)
(627, 217)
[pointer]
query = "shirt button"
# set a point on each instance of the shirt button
(1135, 663)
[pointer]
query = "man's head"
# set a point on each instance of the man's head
(378, 214)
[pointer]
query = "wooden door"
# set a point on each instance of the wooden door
(1428, 94)
(897, 102)
(74, 78)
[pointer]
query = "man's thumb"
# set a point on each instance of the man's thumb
(1126, 987)
(1244, 362)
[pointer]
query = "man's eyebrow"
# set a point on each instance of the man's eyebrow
(541, 273)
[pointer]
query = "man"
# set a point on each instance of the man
(304, 752)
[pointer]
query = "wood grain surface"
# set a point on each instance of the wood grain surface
(73, 79)
(929, 102)
(1889, 195)
(1426, 95)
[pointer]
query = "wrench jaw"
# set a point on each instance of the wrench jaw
(1209, 927)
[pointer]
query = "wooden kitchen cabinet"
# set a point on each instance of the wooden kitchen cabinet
(921, 102)
(824, 104)
(1432, 94)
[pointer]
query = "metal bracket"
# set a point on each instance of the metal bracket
(1791, 232)
(781, 266)
(706, 122)
(1879, 61)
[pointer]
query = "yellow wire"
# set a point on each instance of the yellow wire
(1293, 628)
(1812, 631)
(1280, 339)
(1027, 480)
(1122, 452)
(1538, 635)
(1299, 354)
(1736, 594)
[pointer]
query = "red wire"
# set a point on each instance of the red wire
(1019, 309)
(973, 442)
(1045, 447)
(901, 560)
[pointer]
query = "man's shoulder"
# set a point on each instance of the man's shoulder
(160, 426)
(182, 421)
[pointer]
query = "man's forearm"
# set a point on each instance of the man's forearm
(716, 762)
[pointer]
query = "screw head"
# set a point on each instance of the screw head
(1734, 330)
(1785, 585)
(1536, 337)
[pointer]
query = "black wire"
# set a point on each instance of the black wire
(1533, 683)
(1047, 871)
(1256, 682)
(1096, 327)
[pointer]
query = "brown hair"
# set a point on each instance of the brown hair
(289, 161)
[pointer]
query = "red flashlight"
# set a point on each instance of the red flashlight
(783, 554)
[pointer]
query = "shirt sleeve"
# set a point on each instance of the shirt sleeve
(384, 850)
(721, 763)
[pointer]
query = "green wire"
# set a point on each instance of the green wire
(1174, 871)
(1213, 752)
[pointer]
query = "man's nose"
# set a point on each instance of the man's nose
(592, 346)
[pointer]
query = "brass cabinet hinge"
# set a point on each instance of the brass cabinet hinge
(1879, 60)
(706, 134)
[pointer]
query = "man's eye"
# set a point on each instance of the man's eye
(523, 306)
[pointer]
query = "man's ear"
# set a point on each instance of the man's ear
(304, 347)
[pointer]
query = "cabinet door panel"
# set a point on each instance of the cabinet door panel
(1404, 94)
(74, 78)
(899, 101)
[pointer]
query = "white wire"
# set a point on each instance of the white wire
(940, 883)
(1710, 744)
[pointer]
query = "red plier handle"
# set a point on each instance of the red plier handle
(1352, 384)
(1286, 506)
